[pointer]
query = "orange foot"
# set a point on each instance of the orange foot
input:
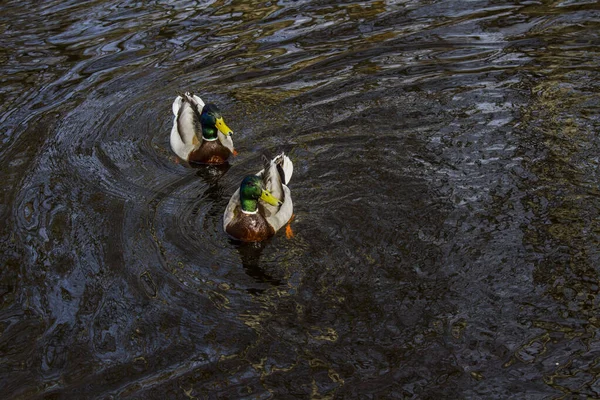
(289, 233)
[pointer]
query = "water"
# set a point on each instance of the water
(445, 187)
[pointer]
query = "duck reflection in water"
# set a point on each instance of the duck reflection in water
(250, 253)
(211, 174)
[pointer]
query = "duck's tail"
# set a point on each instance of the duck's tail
(190, 98)
(283, 165)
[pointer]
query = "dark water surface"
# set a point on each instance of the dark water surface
(446, 192)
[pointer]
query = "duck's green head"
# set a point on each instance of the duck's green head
(211, 121)
(251, 190)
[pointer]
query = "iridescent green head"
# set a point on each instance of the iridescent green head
(251, 190)
(212, 121)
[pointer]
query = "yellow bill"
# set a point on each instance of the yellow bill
(223, 127)
(269, 198)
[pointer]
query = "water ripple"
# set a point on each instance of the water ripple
(445, 191)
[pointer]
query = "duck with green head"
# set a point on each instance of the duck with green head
(262, 204)
(199, 133)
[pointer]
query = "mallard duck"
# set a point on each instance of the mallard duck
(199, 134)
(262, 204)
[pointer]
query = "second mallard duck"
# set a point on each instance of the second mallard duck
(199, 133)
(262, 204)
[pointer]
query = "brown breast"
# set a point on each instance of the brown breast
(212, 152)
(250, 228)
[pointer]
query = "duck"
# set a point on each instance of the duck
(262, 204)
(199, 134)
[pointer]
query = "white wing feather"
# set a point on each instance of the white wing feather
(229, 213)
(184, 125)
(283, 215)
